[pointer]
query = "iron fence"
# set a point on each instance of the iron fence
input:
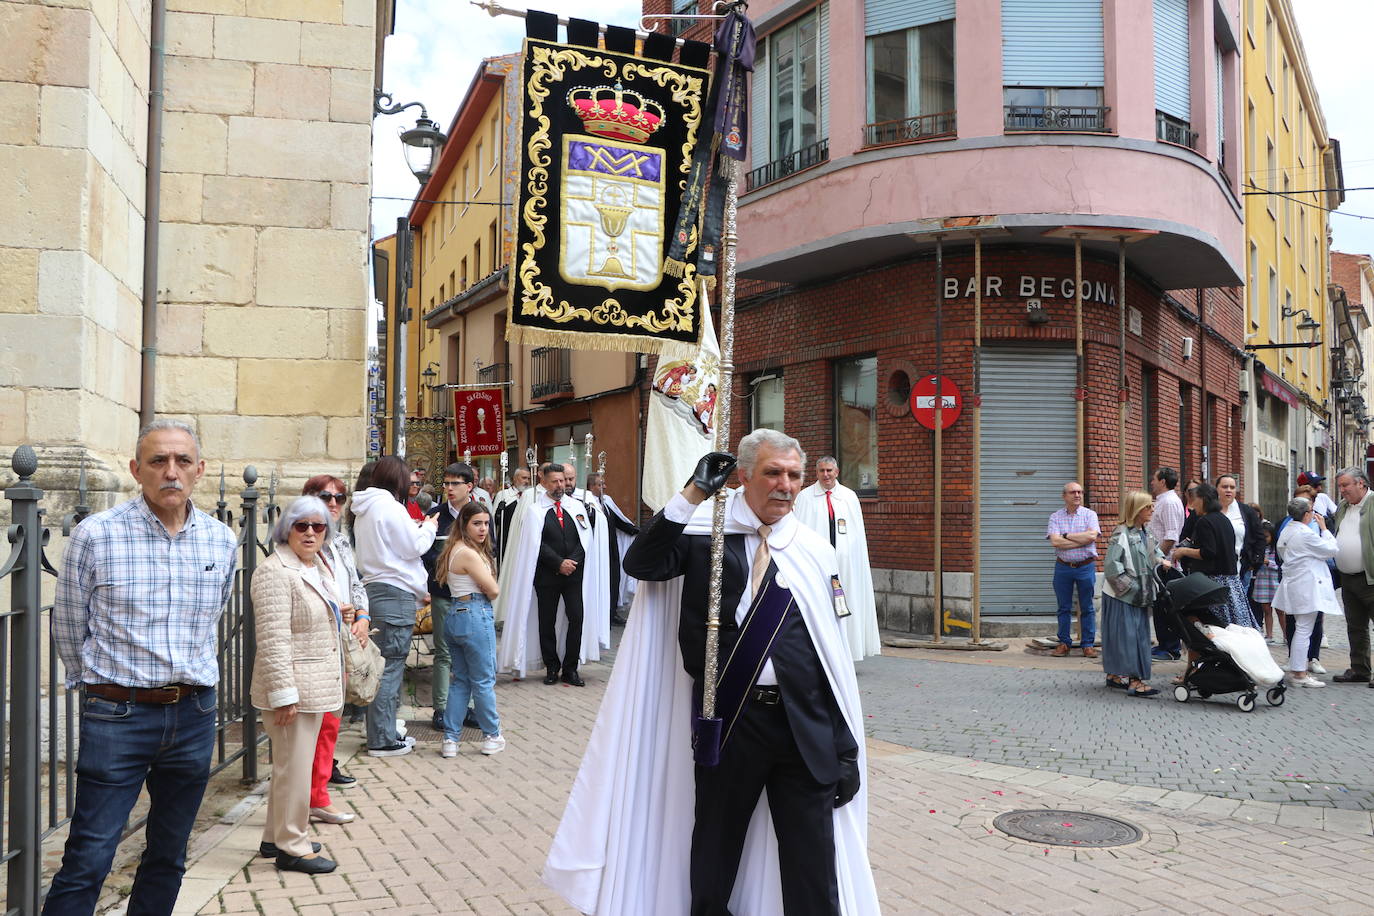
(780, 168)
(909, 130)
(1174, 130)
(1091, 118)
(38, 772)
(551, 368)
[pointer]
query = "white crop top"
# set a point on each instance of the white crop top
(462, 584)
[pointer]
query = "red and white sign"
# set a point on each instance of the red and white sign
(923, 401)
(479, 420)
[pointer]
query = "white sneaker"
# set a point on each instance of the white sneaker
(1326, 643)
(493, 744)
(1315, 666)
(401, 729)
(449, 748)
(1307, 681)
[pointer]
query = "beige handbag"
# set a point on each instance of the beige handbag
(364, 673)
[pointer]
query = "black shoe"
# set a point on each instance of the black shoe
(270, 851)
(312, 865)
(438, 720)
(570, 676)
(1350, 677)
(470, 720)
(617, 620)
(551, 677)
(340, 778)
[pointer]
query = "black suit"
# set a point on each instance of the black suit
(559, 542)
(792, 749)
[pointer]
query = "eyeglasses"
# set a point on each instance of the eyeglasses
(303, 527)
(456, 483)
(333, 497)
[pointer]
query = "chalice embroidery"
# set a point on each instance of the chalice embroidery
(481, 421)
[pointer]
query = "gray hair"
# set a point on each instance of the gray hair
(778, 442)
(1299, 506)
(302, 508)
(1353, 474)
(827, 459)
(161, 425)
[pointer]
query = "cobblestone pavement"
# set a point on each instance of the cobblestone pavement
(1313, 750)
(469, 835)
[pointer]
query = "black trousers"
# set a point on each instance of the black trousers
(569, 588)
(762, 754)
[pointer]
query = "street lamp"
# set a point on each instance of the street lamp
(429, 375)
(422, 144)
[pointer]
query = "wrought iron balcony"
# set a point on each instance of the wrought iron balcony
(803, 158)
(494, 374)
(1173, 130)
(909, 130)
(551, 368)
(1092, 118)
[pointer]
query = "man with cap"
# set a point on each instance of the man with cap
(1322, 504)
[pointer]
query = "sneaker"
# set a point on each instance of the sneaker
(399, 749)
(1326, 643)
(1315, 666)
(449, 748)
(493, 744)
(1274, 641)
(401, 729)
(1307, 681)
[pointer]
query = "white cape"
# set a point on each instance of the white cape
(623, 845)
(596, 574)
(851, 547)
(519, 652)
(506, 574)
(623, 540)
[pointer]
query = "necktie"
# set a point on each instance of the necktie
(760, 565)
(830, 507)
(558, 510)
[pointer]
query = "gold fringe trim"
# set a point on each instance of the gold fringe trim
(709, 282)
(675, 268)
(588, 340)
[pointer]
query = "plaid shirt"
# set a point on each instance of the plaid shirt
(1167, 522)
(1061, 523)
(138, 607)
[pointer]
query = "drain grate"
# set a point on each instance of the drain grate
(1068, 828)
(424, 732)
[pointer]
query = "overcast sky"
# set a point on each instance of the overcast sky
(439, 43)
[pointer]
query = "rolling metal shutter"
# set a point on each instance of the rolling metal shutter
(758, 117)
(1052, 43)
(895, 15)
(1173, 83)
(1221, 96)
(1029, 453)
(823, 71)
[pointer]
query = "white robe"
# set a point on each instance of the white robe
(623, 845)
(623, 541)
(506, 574)
(851, 546)
(1306, 584)
(519, 650)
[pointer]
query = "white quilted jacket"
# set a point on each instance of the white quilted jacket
(300, 658)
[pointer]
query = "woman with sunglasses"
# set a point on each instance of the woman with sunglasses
(337, 557)
(298, 674)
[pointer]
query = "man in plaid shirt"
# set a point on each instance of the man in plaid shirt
(135, 620)
(1073, 531)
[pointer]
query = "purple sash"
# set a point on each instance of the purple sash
(757, 634)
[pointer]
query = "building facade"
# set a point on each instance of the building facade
(1352, 394)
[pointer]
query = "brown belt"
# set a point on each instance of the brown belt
(161, 696)
(1077, 564)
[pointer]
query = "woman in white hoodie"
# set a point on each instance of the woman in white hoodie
(389, 547)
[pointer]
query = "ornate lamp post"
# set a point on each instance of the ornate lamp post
(423, 143)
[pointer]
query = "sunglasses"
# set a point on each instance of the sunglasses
(317, 527)
(333, 497)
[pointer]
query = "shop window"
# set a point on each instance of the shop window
(856, 422)
(766, 404)
(559, 448)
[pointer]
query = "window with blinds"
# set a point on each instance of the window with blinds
(910, 84)
(1052, 65)
(790, 99)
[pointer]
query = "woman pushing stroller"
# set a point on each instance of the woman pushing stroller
(1305, 589)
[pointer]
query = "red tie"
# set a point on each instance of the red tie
(558, 509)
(829, 505)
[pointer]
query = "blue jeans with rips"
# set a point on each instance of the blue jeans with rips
(123, 746)
(471, 635)
(1083, 579)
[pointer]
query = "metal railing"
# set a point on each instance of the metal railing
(494, 374)
(1091, 118)
(908, 130)
(39, 792)
(551, 370)
(1173, 130)
(778, 169)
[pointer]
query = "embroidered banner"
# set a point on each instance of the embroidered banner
(606, 148)
(479, 420)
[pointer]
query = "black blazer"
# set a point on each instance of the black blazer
(556, 544)
(1252, 550)
(446, 520)
(1215, 536)
(662, 552)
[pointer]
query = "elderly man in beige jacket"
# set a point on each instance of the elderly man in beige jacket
(297, 675)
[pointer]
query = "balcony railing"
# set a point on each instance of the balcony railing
(1091, 118)
(1173, 130)
(494, 374)
(551, 368)
(909, 130)
(803, 158)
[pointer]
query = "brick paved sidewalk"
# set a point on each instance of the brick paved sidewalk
(469, 835)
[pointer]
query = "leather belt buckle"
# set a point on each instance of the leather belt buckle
(173, 693)
(768, 696)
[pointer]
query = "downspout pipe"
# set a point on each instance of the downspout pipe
(152, 212)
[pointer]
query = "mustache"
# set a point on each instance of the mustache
(781, 497)
(173, 485)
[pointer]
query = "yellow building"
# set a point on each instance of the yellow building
(1292, 180)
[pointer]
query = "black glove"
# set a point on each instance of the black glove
(848, 786)
(713, 470)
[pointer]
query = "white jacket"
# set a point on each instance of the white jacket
(390, 543)
(1306, 584)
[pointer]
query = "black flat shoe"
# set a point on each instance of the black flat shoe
(1113, 682)
(310, 865)
(551, 677)
(470, 721)
(573, 678)
(1350, 677)
(1147, 692)
(340, 778)
(438, 721)
(270, 850)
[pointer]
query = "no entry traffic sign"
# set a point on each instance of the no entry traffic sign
(923, 401)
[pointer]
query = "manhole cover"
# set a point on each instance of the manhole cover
(1068, 828)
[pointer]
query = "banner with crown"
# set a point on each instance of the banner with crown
(606, 150)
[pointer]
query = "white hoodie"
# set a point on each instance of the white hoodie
(390, 544)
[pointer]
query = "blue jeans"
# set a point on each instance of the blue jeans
(470, 631)
(1066, 579)
(124, 745)
(393, 615)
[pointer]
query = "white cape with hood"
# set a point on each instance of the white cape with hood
(623, 540)
(623, 845)
(519, 652)
(851, 546)
(596, 574)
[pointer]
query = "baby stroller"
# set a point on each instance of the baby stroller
(1215, 671)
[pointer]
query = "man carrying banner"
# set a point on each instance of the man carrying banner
(790, 706)
(832, 510)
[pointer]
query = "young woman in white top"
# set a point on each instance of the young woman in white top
(470, 629)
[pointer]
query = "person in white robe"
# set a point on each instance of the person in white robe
(1305, 590)
(622, 584)
(627, 842)
(832, 510)
(503, 510)
(596, 577)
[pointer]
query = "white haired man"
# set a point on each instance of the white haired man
(1355, 562)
